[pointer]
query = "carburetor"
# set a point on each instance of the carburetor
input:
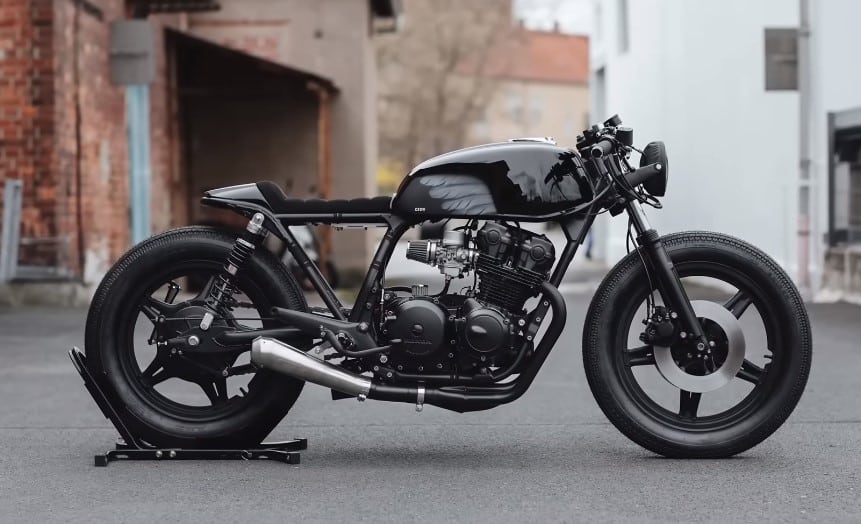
(451, 255)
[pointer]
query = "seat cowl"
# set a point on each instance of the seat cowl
(249, 193)
(281, 204)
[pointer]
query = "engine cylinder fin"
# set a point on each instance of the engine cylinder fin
(505, 286)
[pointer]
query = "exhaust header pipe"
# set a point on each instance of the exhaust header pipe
(271, 354)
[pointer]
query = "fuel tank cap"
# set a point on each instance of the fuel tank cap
(543, 139)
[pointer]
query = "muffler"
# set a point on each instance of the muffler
(271, 354)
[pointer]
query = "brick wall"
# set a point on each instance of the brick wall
(26, 110)
(63, 132)
(90, 143)
(63, 124)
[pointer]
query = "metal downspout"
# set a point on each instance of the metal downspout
(137, 113)
(805, 186)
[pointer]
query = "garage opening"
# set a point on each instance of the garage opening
(243, 119)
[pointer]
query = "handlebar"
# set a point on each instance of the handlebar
(601, 148)
(643, 174)
(597, 143)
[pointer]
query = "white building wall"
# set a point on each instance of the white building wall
(836, 42)
(693, 76)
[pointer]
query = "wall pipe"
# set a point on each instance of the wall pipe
(137, 113)
(805, 202)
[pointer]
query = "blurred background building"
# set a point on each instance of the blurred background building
(760, 121)
(464, 73)
(117, 114)
(542, 88)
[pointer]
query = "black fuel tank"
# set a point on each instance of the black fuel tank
(525, 180)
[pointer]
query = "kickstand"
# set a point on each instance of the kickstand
(130, 447)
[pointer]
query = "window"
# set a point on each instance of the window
(515, 106)
(535, 110)
(599, 96)
(480, 131)
(781, 59)
(623, 26)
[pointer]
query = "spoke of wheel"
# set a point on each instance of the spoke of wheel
(155, 373)
(641, 356)
(221, 388)
(750, 372)
(738, 304)
(216, 391)
(688, 403)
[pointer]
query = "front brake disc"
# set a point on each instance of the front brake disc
(675, 375)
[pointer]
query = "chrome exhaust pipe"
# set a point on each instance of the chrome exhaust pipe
(269, 353)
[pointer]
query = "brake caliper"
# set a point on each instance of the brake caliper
(660, 330)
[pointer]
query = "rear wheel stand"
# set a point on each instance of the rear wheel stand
(129, 447)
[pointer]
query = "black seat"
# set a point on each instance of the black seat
(282, 204)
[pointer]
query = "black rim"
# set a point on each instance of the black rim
(144, 382)
(763, 378)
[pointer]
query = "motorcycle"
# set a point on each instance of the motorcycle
(221, 367)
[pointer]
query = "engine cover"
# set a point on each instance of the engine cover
(485, 330)
(418, 323)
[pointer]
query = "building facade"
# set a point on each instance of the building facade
(540, 88)
(244, 91)
(717, 81)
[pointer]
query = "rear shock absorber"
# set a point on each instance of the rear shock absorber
(222, 290)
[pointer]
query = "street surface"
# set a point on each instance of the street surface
(549, 457)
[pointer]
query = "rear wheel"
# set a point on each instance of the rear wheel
(181, 386)
(681, 400)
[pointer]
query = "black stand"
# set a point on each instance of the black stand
(129, 447)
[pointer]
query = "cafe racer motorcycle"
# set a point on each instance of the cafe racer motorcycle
(172, 355)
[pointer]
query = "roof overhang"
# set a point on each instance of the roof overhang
(143, 8)
(847, 119)
(386, 8)
(311, 80)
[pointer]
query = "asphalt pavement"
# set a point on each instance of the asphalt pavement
(549, 457)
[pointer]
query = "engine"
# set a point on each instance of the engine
(478, 328)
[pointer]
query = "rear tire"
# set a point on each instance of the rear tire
(727, 433)
(162, 424)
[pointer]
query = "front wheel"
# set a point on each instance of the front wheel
(681, 400)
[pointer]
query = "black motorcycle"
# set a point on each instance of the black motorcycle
(220, 367)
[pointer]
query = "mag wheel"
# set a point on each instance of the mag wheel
(182, 386)
(681, 398)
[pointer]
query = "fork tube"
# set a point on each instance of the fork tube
(669, 285)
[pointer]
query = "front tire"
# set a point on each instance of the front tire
(113, 345)
(777, 386)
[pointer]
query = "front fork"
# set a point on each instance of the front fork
(668, 283)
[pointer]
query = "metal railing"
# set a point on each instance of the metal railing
(11, 234)
(11, 243)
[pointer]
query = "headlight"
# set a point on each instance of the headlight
(655, 152)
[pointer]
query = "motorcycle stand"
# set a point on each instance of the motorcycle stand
(129, 447)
